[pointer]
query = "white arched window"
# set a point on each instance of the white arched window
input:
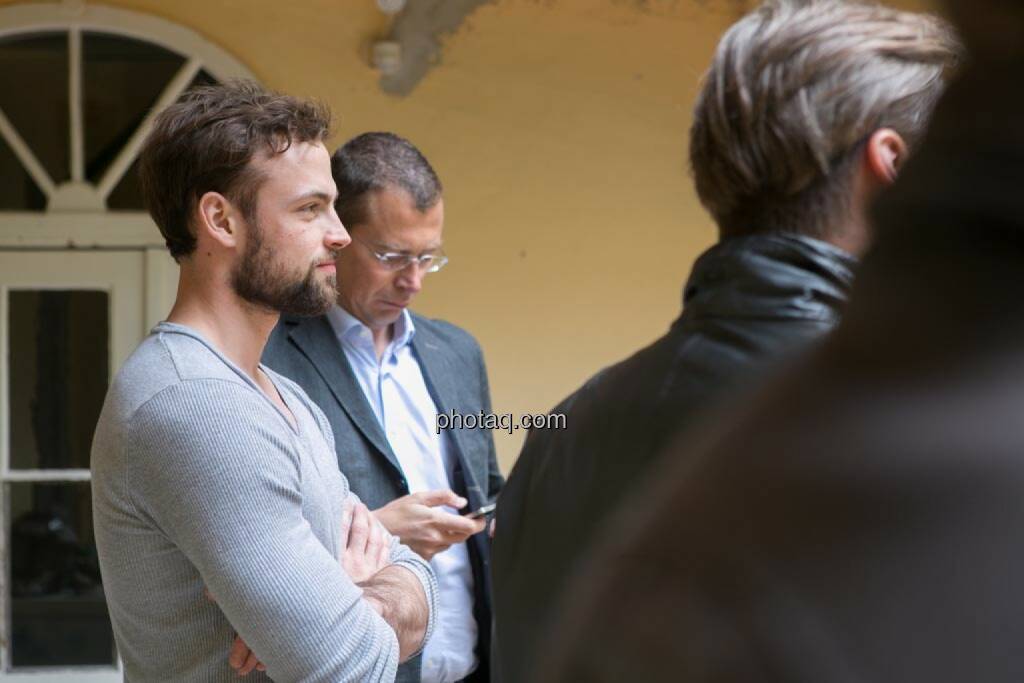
(83, 274)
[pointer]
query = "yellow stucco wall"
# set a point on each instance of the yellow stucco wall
(559, 130)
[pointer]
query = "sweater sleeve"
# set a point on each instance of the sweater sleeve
(403, 556)
(211, 466)
(399, 554)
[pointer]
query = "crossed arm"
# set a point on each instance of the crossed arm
(228, 494)
(391, 590)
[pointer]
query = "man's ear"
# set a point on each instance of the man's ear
(886, 151)
(218, 219)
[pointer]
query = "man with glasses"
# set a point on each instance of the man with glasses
(383, 374)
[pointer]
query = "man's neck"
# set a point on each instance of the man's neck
(237, 329)
(854, 239)
(381, 338)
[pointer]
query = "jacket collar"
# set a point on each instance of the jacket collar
(442, 375)
(316, 339)
(777, 276)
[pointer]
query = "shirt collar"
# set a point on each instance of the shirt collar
(404, 330)
(346, 326)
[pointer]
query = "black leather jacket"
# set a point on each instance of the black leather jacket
(750, 302)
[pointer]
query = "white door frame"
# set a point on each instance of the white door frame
(120, 274)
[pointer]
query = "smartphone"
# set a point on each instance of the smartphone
(485, 511)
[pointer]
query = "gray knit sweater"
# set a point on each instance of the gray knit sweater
(199, 480)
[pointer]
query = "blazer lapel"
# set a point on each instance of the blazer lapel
(316, 339)
(440, 375)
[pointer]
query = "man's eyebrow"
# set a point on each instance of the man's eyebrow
(383, 246)
(315, 194)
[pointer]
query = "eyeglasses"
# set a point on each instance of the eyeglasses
(428, 262)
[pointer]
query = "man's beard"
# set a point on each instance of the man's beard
(263, 282)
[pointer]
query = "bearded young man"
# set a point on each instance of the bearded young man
(211, 473)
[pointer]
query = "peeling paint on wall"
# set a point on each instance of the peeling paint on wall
(422, 26)
(419, 30)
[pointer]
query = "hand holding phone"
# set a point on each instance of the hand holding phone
(484, 511)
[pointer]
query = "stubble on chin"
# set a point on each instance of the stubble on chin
(312, 297)
(262, 281)
(260, 284)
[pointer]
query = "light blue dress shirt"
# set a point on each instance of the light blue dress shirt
(398, 394)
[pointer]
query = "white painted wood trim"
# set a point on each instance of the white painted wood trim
(161, 273)
(75, 107)
(79, 675)
(45, 475)
(124, 281)
(72, 230)
(25, 156)
(84, 228)
(53, 16)
(5, 427)
(5, 636)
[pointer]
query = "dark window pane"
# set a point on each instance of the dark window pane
(127, 194)
(34, 95)
(59, 355)
(121, 80)
(58, 612)
(18, 192)
(203, 77)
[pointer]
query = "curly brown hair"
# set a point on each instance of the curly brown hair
(204, 143)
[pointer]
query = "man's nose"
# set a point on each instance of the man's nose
(411, 278)
(337, 236)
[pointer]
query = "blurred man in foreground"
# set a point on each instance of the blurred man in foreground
(862, 520)
(808, 110)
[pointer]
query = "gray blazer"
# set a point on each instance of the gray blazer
(307, 351)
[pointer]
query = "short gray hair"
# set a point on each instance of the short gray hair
(372, 162)
(795, 89)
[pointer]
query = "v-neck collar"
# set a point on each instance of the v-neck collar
(165, 327)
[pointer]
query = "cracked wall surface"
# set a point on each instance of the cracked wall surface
(421, 28)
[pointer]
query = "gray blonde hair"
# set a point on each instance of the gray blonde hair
(795, 89)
